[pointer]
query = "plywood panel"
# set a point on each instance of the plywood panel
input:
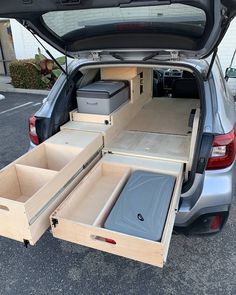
(35, 157)
(9, 184)
(40, 224)
(119, 73)
(13, 217)
(31, 179)
(58, 156)
(20, 182)
(41, 198)
(164, 115)
(88, 199)
(56, 152)
(127, 246)
(122, 117)
(152, 145)
(92, 118)
(13, 220)
(155, 165)
(86, 126)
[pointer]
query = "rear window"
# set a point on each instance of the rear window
(182, 18)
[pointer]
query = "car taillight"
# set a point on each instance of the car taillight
(32, 130)
(223, 151)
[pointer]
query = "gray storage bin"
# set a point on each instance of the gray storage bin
(102, 97)
(142, 206)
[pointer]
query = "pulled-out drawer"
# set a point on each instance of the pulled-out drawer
(81, 217)
(35, 184)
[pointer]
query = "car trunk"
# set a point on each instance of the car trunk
(161, 124)
(155, 134)
(58, 178)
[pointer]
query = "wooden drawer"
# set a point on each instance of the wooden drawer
(81, 216)
(35, 184)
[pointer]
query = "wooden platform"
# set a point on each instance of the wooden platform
(164, 115)
(156, 129)
(151, 145)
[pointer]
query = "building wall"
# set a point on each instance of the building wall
(26, 47)
(226, 50)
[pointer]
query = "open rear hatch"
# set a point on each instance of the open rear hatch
(193, 28)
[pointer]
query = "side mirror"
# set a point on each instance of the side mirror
(230, 73)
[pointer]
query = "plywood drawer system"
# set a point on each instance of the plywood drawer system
(35, 184)
(80, 218)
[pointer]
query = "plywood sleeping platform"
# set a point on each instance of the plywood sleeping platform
(160, 130)
(152, 145)
(165, 115)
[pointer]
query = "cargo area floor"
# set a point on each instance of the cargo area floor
(165, 115)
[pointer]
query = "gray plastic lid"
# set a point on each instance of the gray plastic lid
(103, 89)
(142, 206)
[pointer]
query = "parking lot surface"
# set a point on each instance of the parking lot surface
(196, 265)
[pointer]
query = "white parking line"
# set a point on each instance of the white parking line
(37, 104)
(12, 109)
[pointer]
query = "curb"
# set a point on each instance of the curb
(20, 90)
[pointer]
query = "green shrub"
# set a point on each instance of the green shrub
(25, 75)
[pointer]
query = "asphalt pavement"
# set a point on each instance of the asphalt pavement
(196, 265)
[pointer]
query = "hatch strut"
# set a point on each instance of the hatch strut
(211, 63)
(52, 57)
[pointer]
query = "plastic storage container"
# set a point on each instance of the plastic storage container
(102, 97)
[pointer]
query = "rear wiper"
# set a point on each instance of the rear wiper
(117, 56)
(160, 54)
(138, 3)
(150, 56)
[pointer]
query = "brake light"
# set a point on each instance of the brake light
(32, 130)
(223, 151)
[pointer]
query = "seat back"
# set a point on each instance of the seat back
(185, 88)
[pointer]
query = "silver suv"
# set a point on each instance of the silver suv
(176, 41)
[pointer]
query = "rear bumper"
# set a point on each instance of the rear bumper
(217, 191)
